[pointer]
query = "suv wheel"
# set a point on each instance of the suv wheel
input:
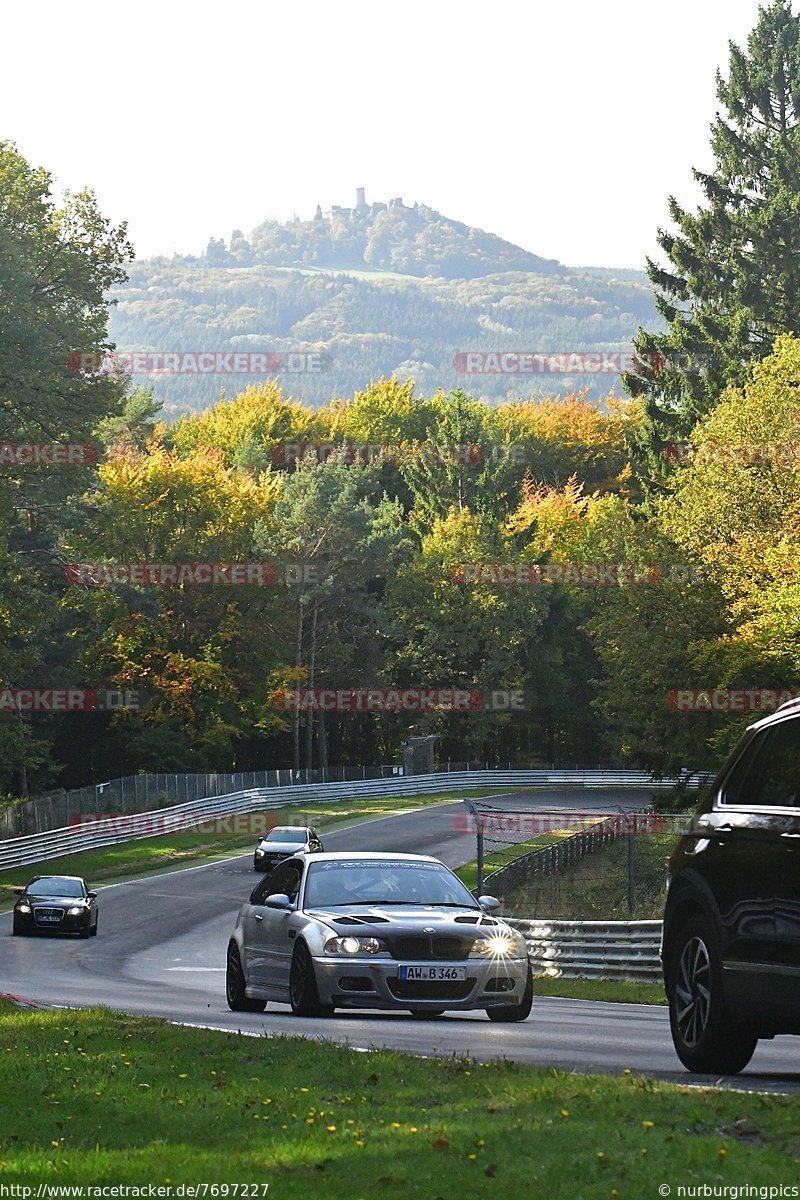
(706, 1039)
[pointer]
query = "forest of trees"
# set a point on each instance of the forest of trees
(652, 543)
(385, 605)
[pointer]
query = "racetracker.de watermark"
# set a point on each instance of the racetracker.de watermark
(47, 454)
(391, 700)
(63, 700)
(594, 361)
(578, 574)
(364, 454)
(149, 824)
(547, 822)
(728, 700)
(201, 362)
(749, 454)
(134, 1191)
(198, 574)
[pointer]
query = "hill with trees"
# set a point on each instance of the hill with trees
(375, 291)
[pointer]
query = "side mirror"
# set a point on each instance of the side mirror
(279, 900)
(92, 895)
(489, 904)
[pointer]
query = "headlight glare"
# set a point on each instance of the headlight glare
(497, 946)
(76, 910)
(23, 906)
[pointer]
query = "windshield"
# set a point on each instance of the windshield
(56, 887)
(297, 836)
(389, 881)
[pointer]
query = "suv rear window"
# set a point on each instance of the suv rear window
(768, 773)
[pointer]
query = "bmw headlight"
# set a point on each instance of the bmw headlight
(355, 946)
(498, 945)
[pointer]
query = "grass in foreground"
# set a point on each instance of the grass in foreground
(92, 1098)
(175, 849)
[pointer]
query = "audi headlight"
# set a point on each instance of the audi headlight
(76, 910)
(353, 946)
(23, 906)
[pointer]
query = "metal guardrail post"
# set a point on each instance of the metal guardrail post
(478, 819)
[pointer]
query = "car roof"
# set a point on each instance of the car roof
(786, 712)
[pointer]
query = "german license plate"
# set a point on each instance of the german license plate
(50, 918)
(429, 974)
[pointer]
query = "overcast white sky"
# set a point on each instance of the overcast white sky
(562, 126)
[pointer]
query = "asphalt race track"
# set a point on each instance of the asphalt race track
(161, 951)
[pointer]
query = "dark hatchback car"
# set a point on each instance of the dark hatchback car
(282, 842)
(731, 939)
(56, 904)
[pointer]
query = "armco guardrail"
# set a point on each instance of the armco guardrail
(593, 949)
(112, 830)
(148, 791)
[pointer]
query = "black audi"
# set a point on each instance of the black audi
(56, 904)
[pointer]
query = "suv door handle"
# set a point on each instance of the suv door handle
(258, 917)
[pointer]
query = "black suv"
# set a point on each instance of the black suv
(731, 940)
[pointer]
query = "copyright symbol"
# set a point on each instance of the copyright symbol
(663, 1189)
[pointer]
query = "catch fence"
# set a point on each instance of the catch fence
(572, 864)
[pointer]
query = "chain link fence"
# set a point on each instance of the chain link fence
(568, 864)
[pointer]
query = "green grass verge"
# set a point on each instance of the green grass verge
(95, 1099)
(622, 991)
(170, 850)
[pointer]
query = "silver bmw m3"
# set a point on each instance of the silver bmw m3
(382, 931)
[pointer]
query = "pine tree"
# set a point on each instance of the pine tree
(733, 283)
